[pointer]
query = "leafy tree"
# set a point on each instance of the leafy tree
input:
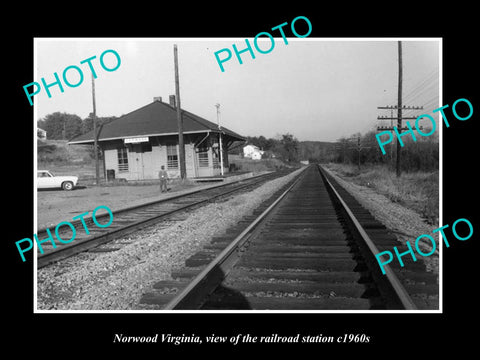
(87, 124)
(287, 146)
(316, 151)
(61, 125)
(261, 142)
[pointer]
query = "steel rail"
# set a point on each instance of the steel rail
(109, 235)
(89, 219)
(192, 296)
(396, 284)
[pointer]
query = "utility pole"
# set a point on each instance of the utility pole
(181, 145)
(359, 148)
(95, 135)
(391, 144)
(220, 140)
(399, 108)
(399, 116)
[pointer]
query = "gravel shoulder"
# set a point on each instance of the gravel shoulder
(404, 223)
(54, 206)
(116, 280)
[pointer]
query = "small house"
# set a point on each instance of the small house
(41, 134)
(252, 152)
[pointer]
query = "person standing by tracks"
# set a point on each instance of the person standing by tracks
(163, 175)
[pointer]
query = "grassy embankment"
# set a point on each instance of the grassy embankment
(256, 166)
(418, 191)
(63, 159)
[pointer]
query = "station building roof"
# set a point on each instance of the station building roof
(155, 119)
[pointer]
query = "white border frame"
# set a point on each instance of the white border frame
(440, 272)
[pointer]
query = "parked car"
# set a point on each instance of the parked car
(46, 180)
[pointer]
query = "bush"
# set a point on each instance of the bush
(257, 165)
(52, 154)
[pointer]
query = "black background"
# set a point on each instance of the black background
(87, 334)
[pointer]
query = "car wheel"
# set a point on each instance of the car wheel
(67, 185)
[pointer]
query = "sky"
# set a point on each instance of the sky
(314, 88)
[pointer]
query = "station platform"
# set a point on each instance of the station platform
(226, 177)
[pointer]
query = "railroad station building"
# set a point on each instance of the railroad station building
(137, 144)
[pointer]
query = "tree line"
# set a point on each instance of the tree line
(358, 149)
(64, 126)
(285, 147)
(288, 148)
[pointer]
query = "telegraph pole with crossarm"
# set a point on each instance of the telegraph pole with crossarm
(399, 108)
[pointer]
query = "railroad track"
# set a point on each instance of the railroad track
(131, 219)
(311, 247)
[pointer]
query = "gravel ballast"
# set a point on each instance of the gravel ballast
(404, 223)
(116, 280)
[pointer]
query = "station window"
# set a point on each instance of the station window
(172, 157)
(122, 155)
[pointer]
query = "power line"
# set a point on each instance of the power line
(427, 84)
(433, 75)
(426, 88)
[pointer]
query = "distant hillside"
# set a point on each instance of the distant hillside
(316, 151)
